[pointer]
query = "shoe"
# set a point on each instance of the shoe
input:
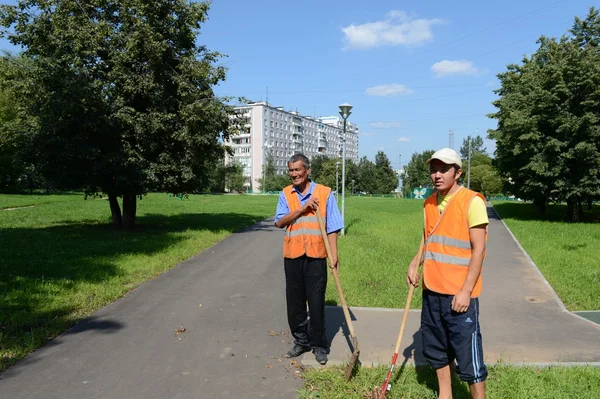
(320, 355)
(297, 350)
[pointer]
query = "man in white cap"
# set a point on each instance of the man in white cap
(454, 239)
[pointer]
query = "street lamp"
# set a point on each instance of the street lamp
(337, 191)
(345, 111)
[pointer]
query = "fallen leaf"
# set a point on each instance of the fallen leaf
(200, 305)
(180, 330)
(269, 366)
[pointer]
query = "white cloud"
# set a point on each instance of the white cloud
(385, 124)
(367, 134)
(459, 67)
(398, 28)
(391, 90)
(403, 139)
(379, 148)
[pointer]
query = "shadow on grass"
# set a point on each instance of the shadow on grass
(40, 266)
(554, 212)
(351, 224)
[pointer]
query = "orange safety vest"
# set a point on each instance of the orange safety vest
(447, 251)
(303, 235)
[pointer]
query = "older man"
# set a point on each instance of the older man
(305, 256)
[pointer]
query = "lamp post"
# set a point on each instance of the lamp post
(345, 111)
(337, 192)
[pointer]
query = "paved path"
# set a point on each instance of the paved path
(130, 350)
(522, 319)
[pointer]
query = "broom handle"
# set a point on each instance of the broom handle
(404, 317)
(335, 273)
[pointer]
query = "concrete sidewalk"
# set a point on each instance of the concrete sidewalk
(522, 319)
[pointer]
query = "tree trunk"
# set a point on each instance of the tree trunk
(589, 203)
(129, 210)
(579, 209)
(572, 210)
(540, 205)
(115, 210)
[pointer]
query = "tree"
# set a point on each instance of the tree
(122, 94)
(316, 166)
(476, 147)
(387, 179)
(17, 172)
(416, 172)
(272, 181)
(548, 134)
(235, 181)
(366, 180)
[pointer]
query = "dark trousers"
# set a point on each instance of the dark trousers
(305, 281)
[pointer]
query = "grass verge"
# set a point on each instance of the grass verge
(8, 201)
(382, 237)
(62, 260)
(566, 253)
(582, 382)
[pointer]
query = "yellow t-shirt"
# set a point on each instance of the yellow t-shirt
(477, 213)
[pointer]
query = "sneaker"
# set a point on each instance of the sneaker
(297, 350)
(320, 355)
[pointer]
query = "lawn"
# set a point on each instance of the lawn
(61, 259)
(383, 235)
(16, 201)
(567, 254)
(420, 383)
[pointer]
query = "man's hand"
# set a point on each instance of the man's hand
(311, 204)
(412, 276)
(336, 263)
(461, 301)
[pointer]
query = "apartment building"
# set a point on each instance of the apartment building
(279, 133)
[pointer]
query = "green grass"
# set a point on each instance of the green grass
(15, 201)
(567, 254)
(419, 382)
(382, 238)
(61, 260)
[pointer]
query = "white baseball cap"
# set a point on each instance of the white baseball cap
(447, 156)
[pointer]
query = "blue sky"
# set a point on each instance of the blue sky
(413, 70)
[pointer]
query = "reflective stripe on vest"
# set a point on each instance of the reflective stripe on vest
(451, 242)
(303, 236)
(453, 260)
(448, 251)
(300, 231)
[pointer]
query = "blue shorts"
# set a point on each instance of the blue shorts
(449, 336)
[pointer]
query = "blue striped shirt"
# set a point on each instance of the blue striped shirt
(334, 222)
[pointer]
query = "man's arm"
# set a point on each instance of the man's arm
(289, 217)
(412, 277)
(461, 301)
(333, 239)
(334, 224)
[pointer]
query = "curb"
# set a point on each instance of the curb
(312, 364)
